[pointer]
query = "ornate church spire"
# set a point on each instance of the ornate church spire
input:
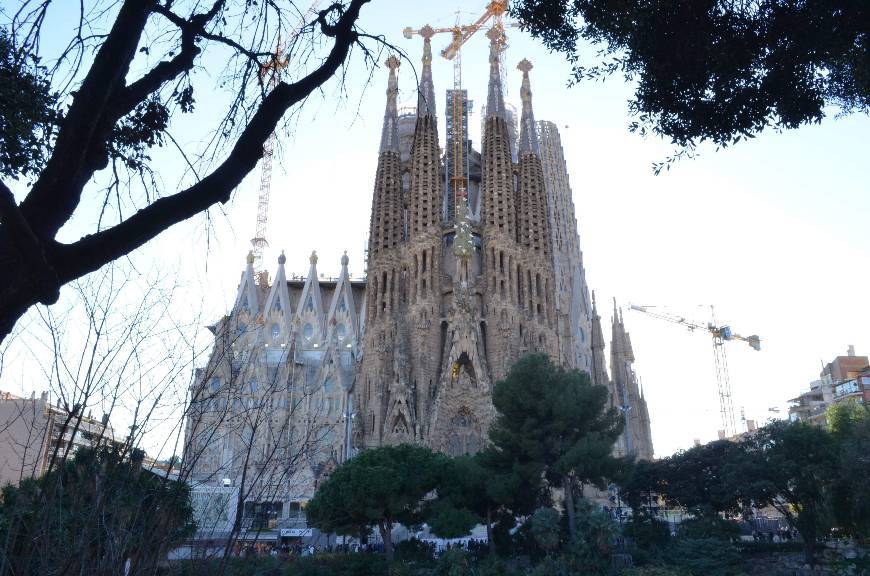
(494, 96)
(533, 224)
(528, 132)
(390, 131)
(499, 209)
(385, 229)
(426, 93)
(425, 177)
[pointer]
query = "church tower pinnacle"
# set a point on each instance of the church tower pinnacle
(390, 130)
(386, 222)
(532, 221)
(426, 92)
(498, 192)
(425, 179)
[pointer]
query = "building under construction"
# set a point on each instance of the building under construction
(474, 260)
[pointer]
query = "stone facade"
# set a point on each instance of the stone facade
(456, 290)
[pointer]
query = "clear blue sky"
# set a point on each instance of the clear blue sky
(772, 231)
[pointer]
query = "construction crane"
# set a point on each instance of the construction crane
(720, 335)
(495, 11)
(271, 73)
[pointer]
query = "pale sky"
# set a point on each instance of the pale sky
(773, 232)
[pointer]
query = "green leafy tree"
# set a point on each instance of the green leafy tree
(545, 528)
(476, 490)
(707, 480)
(641, 484)
(96, 513)
(380, 486)
(719, 70)
(27, 116)
(850, 426)
(553, 425)
(463, 499)
(796, 467)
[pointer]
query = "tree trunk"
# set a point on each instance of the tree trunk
(386, 529)
(809, 537)
(568, 486)
(489, 541)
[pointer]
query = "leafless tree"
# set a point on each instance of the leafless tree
(121, 348)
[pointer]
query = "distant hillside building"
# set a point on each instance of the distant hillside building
(845, 378)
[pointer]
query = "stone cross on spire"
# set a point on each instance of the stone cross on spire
(390, 131)
(528, 132)
(494, 97)
(426, 93)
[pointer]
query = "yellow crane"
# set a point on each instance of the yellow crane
(495, 10)
(720, 335)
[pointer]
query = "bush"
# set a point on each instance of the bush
(413, 550)
(454, 562)
(766, 548)
(654, 571)
(339, 565)
(704, 557)
(646, 538)
(704, 527)
(545, 528)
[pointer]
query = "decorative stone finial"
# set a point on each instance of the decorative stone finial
(313, 258)
(390, 131)
(528, 131)
(494, 97)
(426, 89)
(344, 259)
(427, 32)
(250, 258)
(282, 259)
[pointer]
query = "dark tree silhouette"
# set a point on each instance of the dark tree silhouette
(716, 70)
(109, 114)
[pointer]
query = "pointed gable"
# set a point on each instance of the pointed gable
(246, 298)
(309, 318)
(278, 310)
(342, 317)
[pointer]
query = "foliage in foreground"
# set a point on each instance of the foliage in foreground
(718, 70)
(90, 515)
(379, 487)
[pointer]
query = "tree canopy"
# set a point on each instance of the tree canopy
(84, 128)
(380, 486)
(716, 70)
(554, 424)
(92, 514)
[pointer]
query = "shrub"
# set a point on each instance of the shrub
(340, 565)
(413, 550)
(646, 538)
(704, 527)
(545, 528)
(654, 571)
(704, 557)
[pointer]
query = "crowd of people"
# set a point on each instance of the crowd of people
(298, 549)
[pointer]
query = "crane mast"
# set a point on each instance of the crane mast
(720, 335)
(271, 70)
(495, 9)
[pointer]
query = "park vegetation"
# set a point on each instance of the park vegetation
(552, 443)
(715, 71)
(550, 447)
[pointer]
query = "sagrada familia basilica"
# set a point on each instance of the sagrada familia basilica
(474, 260)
